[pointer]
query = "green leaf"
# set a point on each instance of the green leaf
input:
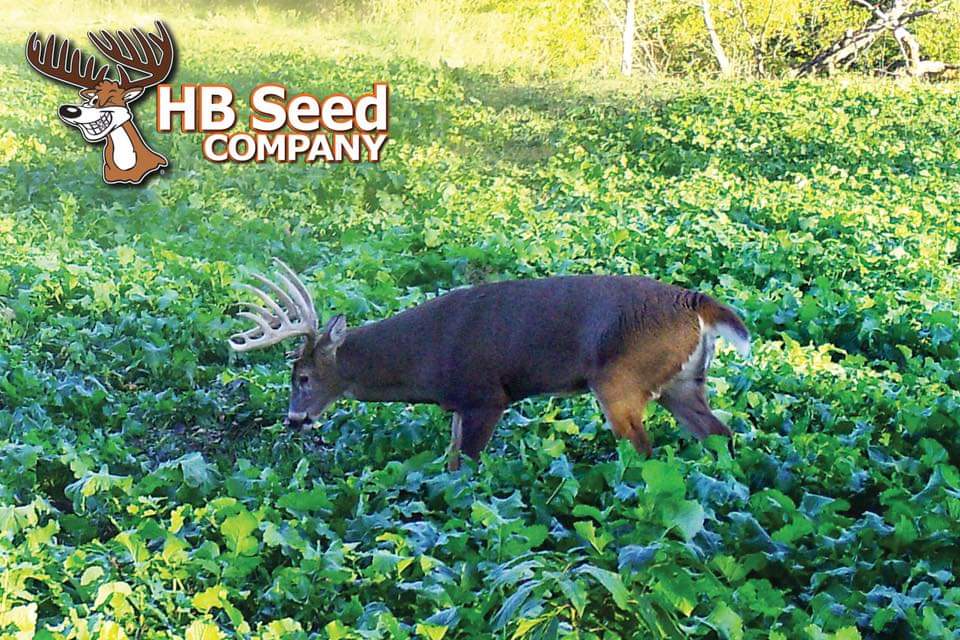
(313, 500)
(727, 622)
(237, 531)
(847, 633)
(210, 598)
(432, 631)
(611, 582)
(663, 479)
(337, 630)
(200, 630)
(689, 518)
(115, 592)
(510, 606)
(588, 531)
(92, 574)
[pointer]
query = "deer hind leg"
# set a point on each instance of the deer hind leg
(687, 401)
(624, 408)
(685, 395)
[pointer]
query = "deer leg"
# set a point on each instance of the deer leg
(456, 442)
(688, 403)
(478, 427)
(624, 411)
(638, 435)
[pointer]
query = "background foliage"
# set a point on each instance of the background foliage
(148, 489)
(557, 38)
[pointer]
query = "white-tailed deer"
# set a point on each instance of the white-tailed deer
(473, 351)
(105, 115)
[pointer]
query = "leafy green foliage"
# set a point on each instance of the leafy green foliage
(148, 488)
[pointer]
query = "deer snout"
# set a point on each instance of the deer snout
(69, 111)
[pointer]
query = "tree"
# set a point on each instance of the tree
(629, 28)
(718, 52)
(893, 18)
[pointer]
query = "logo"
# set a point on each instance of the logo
(303, 127)
(105, 114)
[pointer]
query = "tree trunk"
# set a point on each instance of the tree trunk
(715, 44)
(910, 48)
(846, 48)
(629, 28)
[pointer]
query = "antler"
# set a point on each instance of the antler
(64, 64)
(153, 56)
(294, 315)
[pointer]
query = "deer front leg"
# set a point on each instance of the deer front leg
(478, 426)
(470, 431)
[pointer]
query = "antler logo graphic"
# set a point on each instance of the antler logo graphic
(105, 114)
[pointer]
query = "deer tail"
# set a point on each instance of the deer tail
(724, 322)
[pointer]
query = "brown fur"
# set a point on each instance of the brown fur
(473, 351)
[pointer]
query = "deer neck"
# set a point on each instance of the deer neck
(127, 158)
(376, 366)
(121, 148)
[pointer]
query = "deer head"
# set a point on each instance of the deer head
(315, 382)
(106, 101)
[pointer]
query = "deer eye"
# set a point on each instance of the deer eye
(303, 379)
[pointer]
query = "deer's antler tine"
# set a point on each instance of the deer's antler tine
(300, 308)
(292, 291)
(60, 60)
(60, 55)
(103, 41)
(162, 35)
(145, 47)
(129, 48)
(291, 314)
(287, 302)
(309, 310)
(260, 322)
(73, 61)
(274, 307)
(275, 321)
(101, 73)
(48, 50)
(245, 340)
(122, 76)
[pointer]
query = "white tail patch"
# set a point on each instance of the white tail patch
(730, 334)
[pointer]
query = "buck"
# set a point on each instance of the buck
(105, 114)
(475, 350)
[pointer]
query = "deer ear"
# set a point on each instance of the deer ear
(132, 94)
(335, 332)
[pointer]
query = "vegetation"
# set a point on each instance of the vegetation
(148, 488)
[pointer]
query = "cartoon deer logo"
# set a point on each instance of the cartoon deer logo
(105, 114)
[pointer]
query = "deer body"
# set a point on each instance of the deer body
(474, 351)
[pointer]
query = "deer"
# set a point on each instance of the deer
(475, 350)
(105, 113)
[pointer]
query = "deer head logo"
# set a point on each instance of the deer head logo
(104, 115)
